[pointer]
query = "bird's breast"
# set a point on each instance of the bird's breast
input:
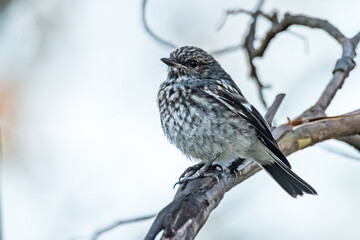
(174, 109)
(198, 124)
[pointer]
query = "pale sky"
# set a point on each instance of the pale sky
(82, 141)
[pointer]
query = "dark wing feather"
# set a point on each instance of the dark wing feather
(230, 96)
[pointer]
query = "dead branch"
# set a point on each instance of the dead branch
(270, 114)
(314, 132)
(187, 213)
(103, 230)
(193, 203)
(191, 207)
(341, 71)
(343, 66)
(151, 32)
(184, 217)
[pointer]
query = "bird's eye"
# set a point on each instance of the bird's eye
(193, 63)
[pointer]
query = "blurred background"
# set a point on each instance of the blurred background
(82, 144)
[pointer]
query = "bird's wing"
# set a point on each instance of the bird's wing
(229, 95)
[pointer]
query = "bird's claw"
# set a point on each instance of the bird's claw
(191, 171)
(199, 174)
(198, 171)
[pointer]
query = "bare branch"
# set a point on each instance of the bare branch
(317, 131)
(97, 234)
(250, 50)
(193, 203)
(226, 50)
(184, 217)
(269, 116)
(229, 12)
(303, 38)
(148, 29)
(278, 27)
(345, 64)
(260, 85)
(226, 14)
(341, 71)
(356, 39)
(301, 20)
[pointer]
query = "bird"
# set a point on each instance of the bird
(206, 116)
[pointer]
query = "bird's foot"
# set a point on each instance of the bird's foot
(191, 170)
(200, 171)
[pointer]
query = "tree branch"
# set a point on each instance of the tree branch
(148, 29)
(341, 71)
(270, 114)
(323, 129)
(101, 231)
(186, 214)
(193, 203)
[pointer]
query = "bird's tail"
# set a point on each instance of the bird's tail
(288, 180)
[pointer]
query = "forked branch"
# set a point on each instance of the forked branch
(193, 203)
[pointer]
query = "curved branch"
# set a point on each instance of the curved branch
(148, 29)
(270, 114)
(311, 133)
(344, 65)
(300, 20)
(342, 69)
(103, 230)
(193, 203)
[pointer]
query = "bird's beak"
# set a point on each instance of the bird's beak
(168, 62)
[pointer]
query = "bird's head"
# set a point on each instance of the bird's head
(193, 62)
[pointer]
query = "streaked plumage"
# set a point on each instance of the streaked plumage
(204, 114)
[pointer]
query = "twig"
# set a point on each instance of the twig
(250, 50)
(118, 223)
(303, 38)
(149, 31)
(356, 39)
(270, 114)
(184, 217)
(193, 201)
(229, 12)
(325, 128)
(289, 20)
(341, 71)
(260, 85)
(227, 50)
(277, 27)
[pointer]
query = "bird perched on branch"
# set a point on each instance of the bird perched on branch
(205, 115)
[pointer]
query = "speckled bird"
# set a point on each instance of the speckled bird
(205, 115)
